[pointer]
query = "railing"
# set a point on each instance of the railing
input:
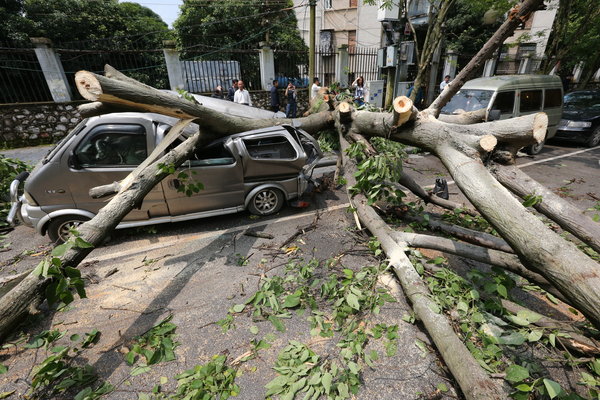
(21, 76)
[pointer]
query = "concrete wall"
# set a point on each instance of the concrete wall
(24, 125)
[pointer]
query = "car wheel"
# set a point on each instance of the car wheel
(266, 202)
(594, 139)
(535, 148)
(59, 228)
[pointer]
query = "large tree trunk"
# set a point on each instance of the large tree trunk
(554, 207)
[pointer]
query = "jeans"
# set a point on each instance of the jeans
(290, 110)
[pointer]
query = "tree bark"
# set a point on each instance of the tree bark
(552, 206)
(471, 378)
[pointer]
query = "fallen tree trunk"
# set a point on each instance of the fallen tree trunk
(471, 378)
(16, 303)
(508, 262)
(465, 234)
(552, 206)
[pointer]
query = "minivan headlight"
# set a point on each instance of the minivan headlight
(578, 124)
(29, 199)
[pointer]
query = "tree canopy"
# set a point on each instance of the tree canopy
(65, 21)
(225, 24)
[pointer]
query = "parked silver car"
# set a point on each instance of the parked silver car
(257, 170)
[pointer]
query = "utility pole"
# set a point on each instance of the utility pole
(311, 50)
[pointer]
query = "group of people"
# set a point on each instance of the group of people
(291, 96)
(236, 93)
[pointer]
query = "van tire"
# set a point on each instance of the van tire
(58, 228)
(266, 201)
(535, 148)
(594, 139)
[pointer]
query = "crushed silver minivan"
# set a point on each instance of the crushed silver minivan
(257, 170)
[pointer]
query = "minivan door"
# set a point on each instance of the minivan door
(108, 152)
(220, 174)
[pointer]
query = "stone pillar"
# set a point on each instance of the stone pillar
(489, 67)
(525, 65)
(53, 70)
(267, 66)
(577, 71)
(341, 66)
(450, 64)
(174, 67)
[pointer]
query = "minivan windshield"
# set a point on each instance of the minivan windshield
(64, 140)
(468, 100)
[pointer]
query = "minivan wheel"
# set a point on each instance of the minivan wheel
(535, 148)
(59, 228)
(266, 202)
(594, 139)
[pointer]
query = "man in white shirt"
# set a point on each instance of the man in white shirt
(242, 96)
(444, 83)
(315, 88)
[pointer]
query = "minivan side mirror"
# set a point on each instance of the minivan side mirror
(493, 115)
(73, 161)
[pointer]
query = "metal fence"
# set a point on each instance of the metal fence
(21, 76)
(205, 67)
(363, 62)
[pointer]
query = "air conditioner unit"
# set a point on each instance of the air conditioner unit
(390, 12)
(407, 52)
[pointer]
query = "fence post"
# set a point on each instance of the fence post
(174, 68)
(525, 64)
(267, 66)
(489, 67)
(341, 66)
(450, 64)
(53, 70)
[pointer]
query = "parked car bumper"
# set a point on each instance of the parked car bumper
(575, 134)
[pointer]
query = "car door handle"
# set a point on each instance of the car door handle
(174, 184)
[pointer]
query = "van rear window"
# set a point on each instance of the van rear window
(553, 98)
(531, 100)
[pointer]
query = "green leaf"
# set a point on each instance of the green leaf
(4, 395)
(442, 387)
(516, 373)
(254, 329)
(552, 388)
(501, 289)
(535, 335)
(327, 379)
(277, 323)
(238, 308)
(343, 390)
(291, 301)
(141, 369)
(3, 369)
(352, 301)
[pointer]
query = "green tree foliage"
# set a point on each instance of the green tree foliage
(226, 23)
(65, 21)
(574, 37)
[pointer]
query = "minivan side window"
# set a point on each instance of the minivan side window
(505, 102)
(270, 148)
(531, 100)
(553, 98)
(113, 145)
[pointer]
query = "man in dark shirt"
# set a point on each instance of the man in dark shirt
(275, 96)
(231, 90)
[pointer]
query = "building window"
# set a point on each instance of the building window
(328, 5)
(351, 41)
(526, 49)
(353, 3)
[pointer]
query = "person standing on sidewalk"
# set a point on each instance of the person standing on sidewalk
(275, 96)
(290, 94)
(232, 89)
(242, 96)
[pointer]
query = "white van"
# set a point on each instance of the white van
(509, 96)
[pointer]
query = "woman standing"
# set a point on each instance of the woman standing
(359, 90)
(290, 94)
